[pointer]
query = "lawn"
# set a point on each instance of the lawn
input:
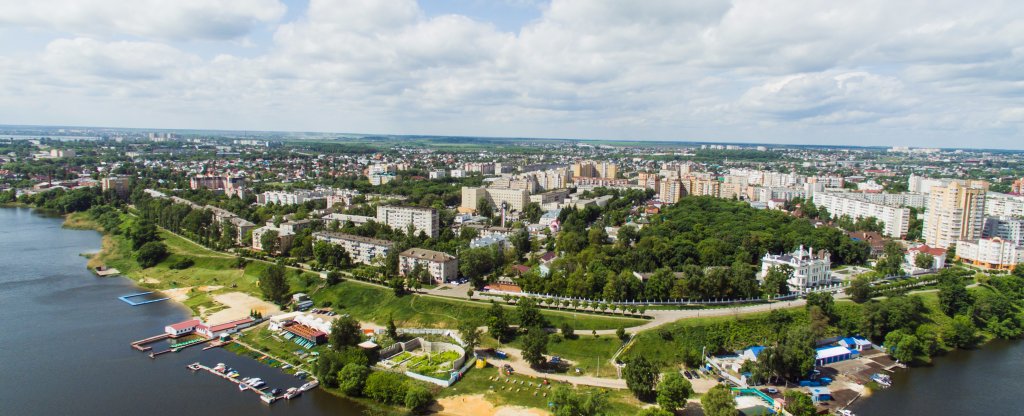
(271, 343)
(521, 390)
(590, 354)
(373, 303)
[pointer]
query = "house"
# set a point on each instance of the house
(214, 331)
(182, 328)
(751, 353)
(938, 256)
(820, 394)
(441, 267)
(874, 240)
(548, 257)
(810, 268)
(829, 355)
(856, 343)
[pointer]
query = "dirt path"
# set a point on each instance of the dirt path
(477, 405)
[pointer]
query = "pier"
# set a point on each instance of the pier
(264, 396)
(141, 344)
(128, 299)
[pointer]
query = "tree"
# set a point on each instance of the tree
(497, 323)
(954, 298)
(719, 402)
(386, 387)
(352, 379)
(151, 254)
(640, 377)
(621, 334)
(535, 345)
(469, 330)
(859, 289)
(268, 242)
(333, 277)
(345, 332)
(417, 398)
(960, 332)
(924, 261)
(141, 232)
(776, 281)
(392, 329)
(273, 283)
(567, 331)
(520, 243)
(891, 262)
(528, 315)
(567, 402)
(484, 207)
(799, 404)
(673, 391)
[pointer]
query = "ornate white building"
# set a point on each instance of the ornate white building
(810, 269)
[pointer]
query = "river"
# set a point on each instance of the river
(64, 340)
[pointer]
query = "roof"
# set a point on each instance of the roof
(430, 255)
(305, 331)
(548, 256)
(191, 323)
(522, 268)
(924, 248)
(829, 352)
(756, 350)
(353, 237)
(229, 325)
(367, 345)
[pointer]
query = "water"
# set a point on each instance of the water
(64, 339)
(985, 381)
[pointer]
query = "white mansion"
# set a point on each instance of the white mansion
(810, 269)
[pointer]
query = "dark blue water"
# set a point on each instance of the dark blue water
(64, 340)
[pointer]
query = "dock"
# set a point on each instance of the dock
(128, 299)
(180, 346)
(141, 344)
(263, 395)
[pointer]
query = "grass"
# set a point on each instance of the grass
(501, 393)
(373, 303)
(269, 342)
(590, 354)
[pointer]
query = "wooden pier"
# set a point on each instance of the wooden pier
(264, 396)
(141, 344)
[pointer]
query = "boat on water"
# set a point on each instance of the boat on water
(233, 374)
(882, 379)
(292, 393)
(257, 383)
(268, 399)
(844, 412)
(242, 386)
(309, 386)
(220, 368)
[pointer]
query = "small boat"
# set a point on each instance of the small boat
(220, 368)
(844, 412)
(233, 374)
(882, 379)
(242, 386)
(309, 386)
(267, 398)
(257, 383)
(292, 393)
(275, 392)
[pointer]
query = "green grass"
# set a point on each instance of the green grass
(590, 354)
(268, 342)
(372, 303)
(477, 381)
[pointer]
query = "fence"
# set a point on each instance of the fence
(583, 303)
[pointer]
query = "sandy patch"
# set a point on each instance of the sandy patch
(476, 405)
(150, 280)
(239, 305)
(179, 294)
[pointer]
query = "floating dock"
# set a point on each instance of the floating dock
(141, 344)
(128, 299)
(265, 397)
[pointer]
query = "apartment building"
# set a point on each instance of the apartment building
(672, 190)
(441, 267)
(1007, 228)
(990, 253)
(360, 249)
(285, 234)
(1004, 205)
(230, 185)
(400, 217)
(592, 169)
(289, 197)
(516, 199)
(896, 219)
(955, 212)
(118, 184)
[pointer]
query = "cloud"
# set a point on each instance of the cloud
(741, 69)
(156, 19)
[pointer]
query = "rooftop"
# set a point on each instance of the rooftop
(424, 254)
(353, 237)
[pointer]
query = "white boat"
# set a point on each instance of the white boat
(253, 381)
(309, 386)
(882, 379)
(844, 412)
(220, 368)
(292, 393)
(268, 399)
(257, 383)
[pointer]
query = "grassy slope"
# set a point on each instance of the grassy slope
(588, 353)
(376, 304)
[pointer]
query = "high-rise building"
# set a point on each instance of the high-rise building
(118, 184)
(956, 211)
(896, 219)
(592, 169)
(672, 191)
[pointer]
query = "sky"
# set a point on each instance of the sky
(935, 73)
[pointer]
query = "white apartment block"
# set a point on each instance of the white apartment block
(809, 269)
(360, 249)
(955, 212)
(516, 199)
(289, 197)
(990, 253)
(895, 218)
(400, 217)
(285, 234)
(378, 179)
(437, 174)
(1007, 228)
(923, 185)
(1004, 205)
(442, 267)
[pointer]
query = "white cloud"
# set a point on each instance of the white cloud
(158, 19)
(741, 70)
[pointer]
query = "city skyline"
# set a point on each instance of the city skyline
(867, 74)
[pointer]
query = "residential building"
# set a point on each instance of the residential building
(1008, 228)
(289, 197)
(1004, 205)
(442, 267)
(938, 256)
(378, 179)
(810, 269)
(515, 199)
(360, 249)
(896, 219)
(955, 212)
(990, 253)
(592, 169)
(437, 174)
(230, 185)
(672, 190)
(489, 240)
(923, 185)
(285, 234)
(118, 184)
(401, 217)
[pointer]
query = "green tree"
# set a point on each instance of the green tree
(891, 262)
(799, 404)
(924, 261)
(528, 314)
(484, 208)
(392, 329)
(567, 402)
(640, 377)
(268, 242)
(825, 301)
(954, 298)
(961, 332)
(386, 387)
(719, 402)
(673, 391)
(621, 334)
(151, 254)
(352, 379)
(273, 283)
(859, 289)
(417, 398)
(776, 281)
(469, 330)
(567, 331)
(141, 232)
(497, 322)
(535, 345)
(345, 332)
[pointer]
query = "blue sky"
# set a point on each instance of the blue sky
(873, 72)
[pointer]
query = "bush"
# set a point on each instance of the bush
(182, 264)
(386, 387)
(418, 397)
(151, 254)
(352, 379)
